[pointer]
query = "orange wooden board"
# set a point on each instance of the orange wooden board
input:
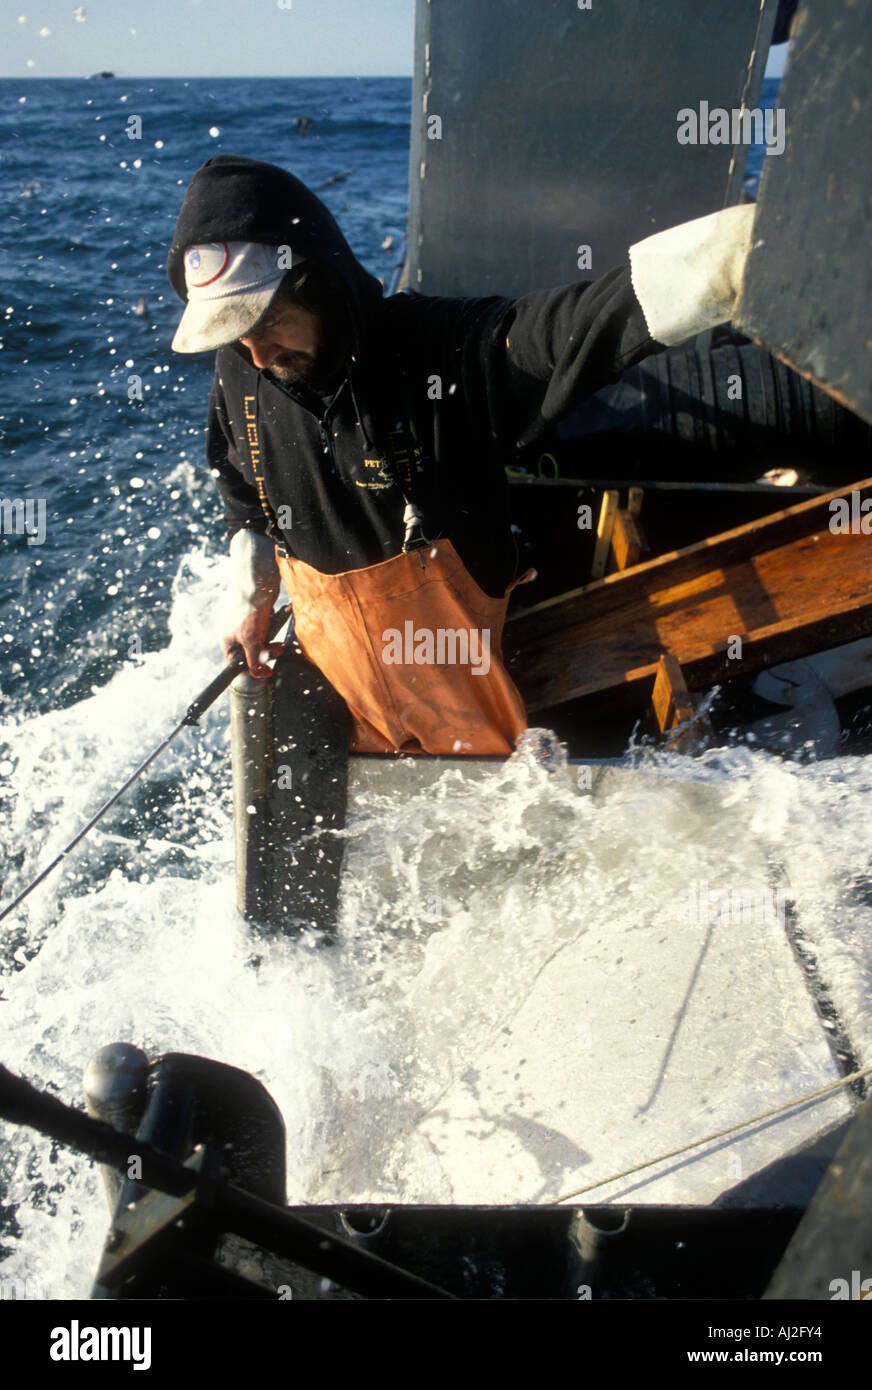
(787, 586)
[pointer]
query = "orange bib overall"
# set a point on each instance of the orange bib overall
(413, 647)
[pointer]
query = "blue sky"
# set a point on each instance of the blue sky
(215, 38)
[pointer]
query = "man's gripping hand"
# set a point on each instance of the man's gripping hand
(255, 586)
(250, 636)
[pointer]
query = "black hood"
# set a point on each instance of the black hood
(232, 198)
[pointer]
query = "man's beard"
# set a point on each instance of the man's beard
(296, 366)
(319, 371)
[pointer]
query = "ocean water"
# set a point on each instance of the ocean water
(107, 629)
(757, 153)
(88, 216)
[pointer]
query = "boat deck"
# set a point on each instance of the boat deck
(636, 1033)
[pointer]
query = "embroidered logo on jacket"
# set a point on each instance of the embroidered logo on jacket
(381, 473)
(379, 476)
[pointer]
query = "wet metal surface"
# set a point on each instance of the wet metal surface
(808, 282)
(540, 129)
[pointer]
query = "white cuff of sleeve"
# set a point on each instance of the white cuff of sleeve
(255, 575)
(687, 278)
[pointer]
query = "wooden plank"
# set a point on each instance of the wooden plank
(671, 700)
(771, 591)
(627, 542)
(676, 709)
(684, 565)
(605, 526)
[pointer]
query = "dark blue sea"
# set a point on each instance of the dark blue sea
(88, 216)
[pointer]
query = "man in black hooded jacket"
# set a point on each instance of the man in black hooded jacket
(345, 428)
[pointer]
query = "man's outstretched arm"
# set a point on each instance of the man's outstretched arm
(535, 358)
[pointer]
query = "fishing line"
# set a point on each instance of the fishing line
(199, 706)
(720, 1133)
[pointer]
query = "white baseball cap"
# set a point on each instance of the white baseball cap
(230, 285)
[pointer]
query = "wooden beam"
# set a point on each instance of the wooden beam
(605, 526)
(671, 697)
(776, 589)
(629, 545)
(675, 709)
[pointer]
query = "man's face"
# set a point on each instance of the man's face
(289, 343)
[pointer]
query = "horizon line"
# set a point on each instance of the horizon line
(199, 77)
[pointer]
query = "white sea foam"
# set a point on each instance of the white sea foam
(464, 897)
